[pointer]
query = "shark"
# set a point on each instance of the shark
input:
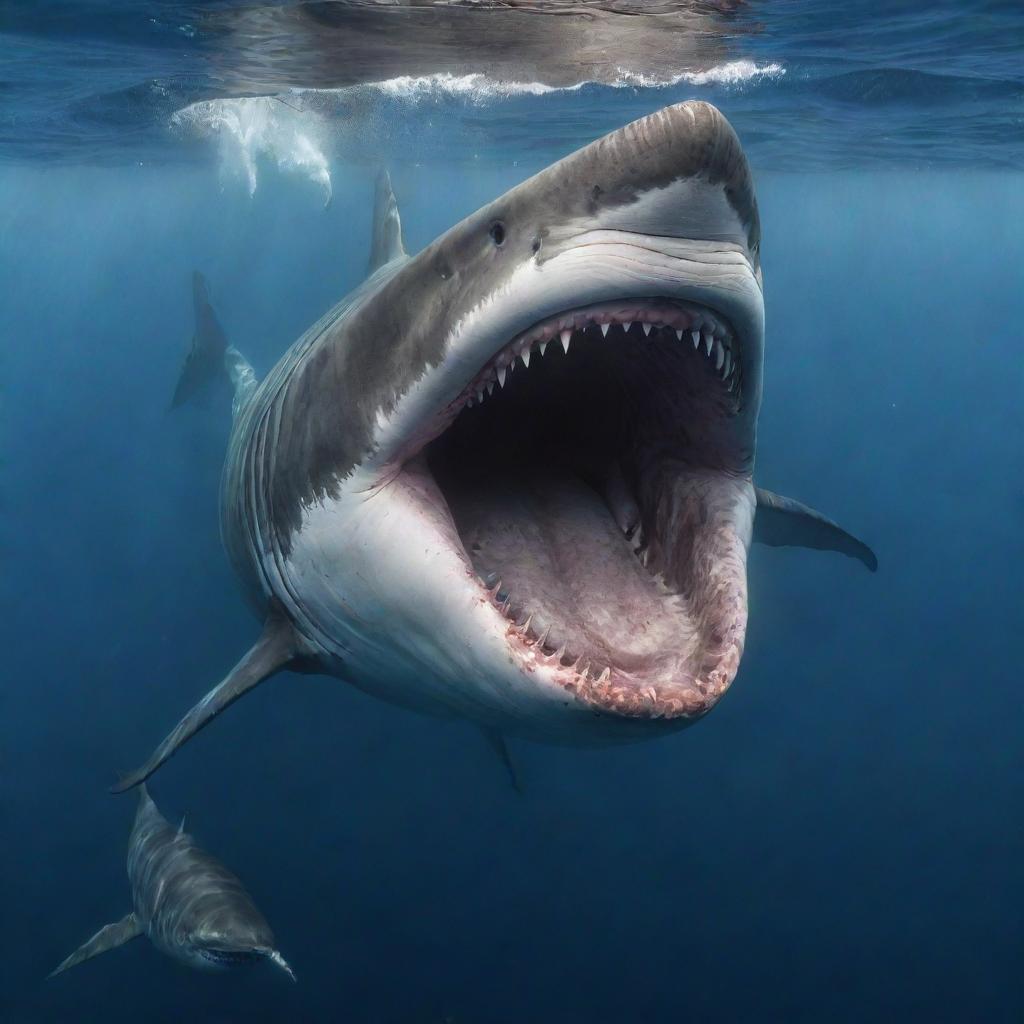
(511, 478)
(185, 901)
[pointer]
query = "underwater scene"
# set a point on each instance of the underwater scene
(511, 511)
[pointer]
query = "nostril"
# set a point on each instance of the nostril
(536, 246)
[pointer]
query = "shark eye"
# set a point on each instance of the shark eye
(498, 233)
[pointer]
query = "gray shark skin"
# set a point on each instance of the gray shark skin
(186, 902)
(510, 478)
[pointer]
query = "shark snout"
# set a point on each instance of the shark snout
(676, 173)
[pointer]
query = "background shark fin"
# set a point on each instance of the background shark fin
(205, 361)
(109, 937)
(275, 649)
(387, 242)
(497, 743)
(783, 522)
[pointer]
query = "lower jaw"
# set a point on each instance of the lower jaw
(648, 628)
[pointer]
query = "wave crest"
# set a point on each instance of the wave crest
(296, 130)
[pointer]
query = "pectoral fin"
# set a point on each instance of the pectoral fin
(783, 522)
(276, 649)
(109, 937)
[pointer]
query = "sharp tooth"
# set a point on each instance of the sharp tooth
(480, 396)
(525, 356)
(626, 326)
(469, 404)
(559, 654)
(501, 377)
(505, 604)
(696, 338)
(543, 638)
(566, 337)
(525, 627)
(728, 365)
(604, 676)
(719, 354)
(584, 669)
(679, 334)
(543, 345)
(647, 329)
(708, 342)
(495, 589)
(604, 330)
(490, 388)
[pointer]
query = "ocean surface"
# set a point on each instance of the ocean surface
(842, 839)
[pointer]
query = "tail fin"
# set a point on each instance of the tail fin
(109, 937)
(205, 361)
(387, 226)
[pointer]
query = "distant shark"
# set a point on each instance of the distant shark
(188, 904)
(510, 478)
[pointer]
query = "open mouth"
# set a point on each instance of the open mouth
(228, 957)
(597, 471)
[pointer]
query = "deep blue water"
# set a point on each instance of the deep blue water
(842, 839)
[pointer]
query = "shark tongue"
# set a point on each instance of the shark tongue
(561, 557)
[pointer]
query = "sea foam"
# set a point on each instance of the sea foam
(296, 130)
(250, 128)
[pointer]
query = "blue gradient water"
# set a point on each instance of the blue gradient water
(841, 839)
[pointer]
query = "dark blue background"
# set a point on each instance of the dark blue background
(841, 840)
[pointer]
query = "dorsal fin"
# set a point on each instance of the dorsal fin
(205, 361)
(386, 243)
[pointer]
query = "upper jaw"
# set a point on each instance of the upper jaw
(706, 331)
(713, 283)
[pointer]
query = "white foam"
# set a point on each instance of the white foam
(478, 88)
(250, 128)
(297, 129)
(735, 72)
